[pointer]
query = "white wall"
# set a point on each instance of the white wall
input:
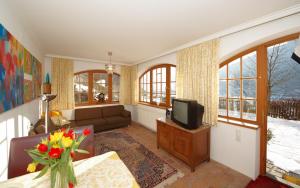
(16, 122)
(242, 155)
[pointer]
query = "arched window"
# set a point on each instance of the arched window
(96, 87)
(238, 88)
(158, 85)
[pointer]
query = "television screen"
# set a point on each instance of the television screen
(180, 111)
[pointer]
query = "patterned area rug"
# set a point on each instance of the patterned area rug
(148, 169)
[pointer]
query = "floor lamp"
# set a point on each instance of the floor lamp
(47, 98)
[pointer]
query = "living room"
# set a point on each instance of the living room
(118, 66)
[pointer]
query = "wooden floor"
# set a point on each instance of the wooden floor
(207, 175)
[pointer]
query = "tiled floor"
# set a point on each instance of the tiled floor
(207, 175)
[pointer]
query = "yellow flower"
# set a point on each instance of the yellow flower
(66, 141)
(31, 167)
(45, 141)
(55, 146)
(56, 137)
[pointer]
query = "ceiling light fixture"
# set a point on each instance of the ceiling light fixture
(109, 67)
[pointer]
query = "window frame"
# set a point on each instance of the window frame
(91, 101)
(240, 121)
(167, 104)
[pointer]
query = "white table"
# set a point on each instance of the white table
(106, 171)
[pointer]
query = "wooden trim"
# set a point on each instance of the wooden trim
(263, 105)
(254, 127)
(282, 39)
(152, 105)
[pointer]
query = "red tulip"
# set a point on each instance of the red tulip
(42, 148)
(71, 185)
(55, 153)
(86, 132)
(70, 134)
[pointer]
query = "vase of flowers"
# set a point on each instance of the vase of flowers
(56, 154)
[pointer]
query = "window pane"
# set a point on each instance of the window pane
(100, 85)
(163, 88)
(81, 88)
(158, 76)
(222, 88)
(154, 88)
(115, 96)
(145, 78)
(234, 70)
(148, 88)
(115, 83)
(234, 88)
(234, 108)
(154, 75)
(249, 65)
(164, 75)
(155, 98)
(148, 77)
(173, 88)
(173, 74)
(158, 88)
(163, 98)
(222, 107)
(249, 109)
(249, 88)
(223, 72)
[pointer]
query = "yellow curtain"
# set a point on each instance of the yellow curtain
(134, 85)
(125, 85)
(197, 77)
(128, 85)
(62, 84)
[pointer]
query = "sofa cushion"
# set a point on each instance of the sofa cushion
(115, 120)
(87, 113)
(110, 111)
(95, 122)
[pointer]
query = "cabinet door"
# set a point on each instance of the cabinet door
(164, 135)
(182, 145)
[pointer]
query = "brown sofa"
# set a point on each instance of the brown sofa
(103, 118)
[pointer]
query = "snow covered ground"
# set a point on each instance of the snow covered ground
(284, 148)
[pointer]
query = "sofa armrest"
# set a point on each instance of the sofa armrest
(126, 113)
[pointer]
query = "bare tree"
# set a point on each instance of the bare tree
(279, 71)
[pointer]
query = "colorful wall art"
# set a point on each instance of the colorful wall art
(20, 73)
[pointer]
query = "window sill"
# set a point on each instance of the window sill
(95, 104)
(238, 123)
(152, 105)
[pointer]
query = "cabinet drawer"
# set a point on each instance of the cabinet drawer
(164, 136)
(182, 144)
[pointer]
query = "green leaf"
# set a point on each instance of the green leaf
(38, 159)
(82, 151)
(43, 172)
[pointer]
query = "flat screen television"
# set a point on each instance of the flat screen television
(187, 113)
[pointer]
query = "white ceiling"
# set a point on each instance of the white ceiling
(132, 29)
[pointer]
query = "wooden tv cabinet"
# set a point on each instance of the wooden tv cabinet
(191, 146)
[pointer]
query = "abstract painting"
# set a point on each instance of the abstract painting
(15, 62)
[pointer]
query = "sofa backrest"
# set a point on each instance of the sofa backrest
(109, 111)
(88, 113)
